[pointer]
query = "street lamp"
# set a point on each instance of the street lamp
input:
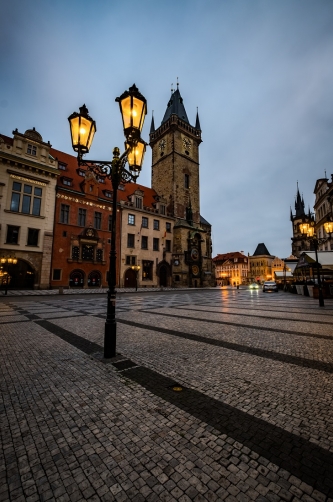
(307, 229)
(4, 275)
(136, 268)
(133, 107)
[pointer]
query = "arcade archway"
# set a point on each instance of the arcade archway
(18, 276)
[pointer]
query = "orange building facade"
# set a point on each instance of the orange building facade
(83, 209)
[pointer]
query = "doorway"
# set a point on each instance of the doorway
(130, 278)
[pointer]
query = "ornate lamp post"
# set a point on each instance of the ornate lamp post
(136, 268)
(133, 107)
(5, 277)
(307, 229)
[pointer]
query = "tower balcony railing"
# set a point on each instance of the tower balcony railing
(174, 119)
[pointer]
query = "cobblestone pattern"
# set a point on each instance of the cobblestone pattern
(73, 428)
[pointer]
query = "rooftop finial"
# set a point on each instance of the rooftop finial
(325, 174)
(177, 84)
(171, 88)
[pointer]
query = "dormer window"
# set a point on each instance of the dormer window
(62, 166)
(138, 202)
(67, 181)
(32, 150)
(82, 172)
(162, 209)
(108, 194)
(100, 180)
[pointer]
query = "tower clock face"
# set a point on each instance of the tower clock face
(162, 145)
(187, 143)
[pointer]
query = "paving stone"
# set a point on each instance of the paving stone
(252, 416)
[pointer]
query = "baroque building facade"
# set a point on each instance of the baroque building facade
(28, 175)
(261, 264)
(175, 177)
(323, 210)
(231, 269)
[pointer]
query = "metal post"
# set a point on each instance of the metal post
(320, 290)
(110, 333)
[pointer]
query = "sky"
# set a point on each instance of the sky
(259, 71)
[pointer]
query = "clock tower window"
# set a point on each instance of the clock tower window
(187, 181)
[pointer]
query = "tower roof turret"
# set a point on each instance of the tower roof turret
(175, 107)
(152, 125)
(197, 121)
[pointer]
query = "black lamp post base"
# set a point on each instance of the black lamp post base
(110, 339)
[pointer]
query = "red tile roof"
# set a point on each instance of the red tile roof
(229, 256)
(72, 172)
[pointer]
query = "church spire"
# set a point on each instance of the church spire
(299, 205)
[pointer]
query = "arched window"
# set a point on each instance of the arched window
(94, 279)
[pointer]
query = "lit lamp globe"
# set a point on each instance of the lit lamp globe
(328, 227)
(133, 109)
(83, 129)
(135, 156)
(304, 228)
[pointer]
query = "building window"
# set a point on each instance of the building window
(99, 255)
(33, 234)
(187, 181)
(94, 279)
(138, 202)
(87, 252)
(156, 244)
(130, 260)
(131, 219)
(144, 242)
(108, 194)
(64, 213)
(168, 246)
(98, 220)
(156, 224)
(110, 223)
(64, 234)
(12, 234)
(162, 209)
(62, 166)
(26, 199)
(56, 275)
(67, 181)
(32, 150)
(144, 222)
(168, 226)
(130, 240)
(147, 270)
(82, 217)
(75, 252)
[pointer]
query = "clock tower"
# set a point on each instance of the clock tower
(175, 177)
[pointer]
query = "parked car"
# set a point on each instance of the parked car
(254, 285)
(270, 286)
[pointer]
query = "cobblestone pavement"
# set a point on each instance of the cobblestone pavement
(253, 421)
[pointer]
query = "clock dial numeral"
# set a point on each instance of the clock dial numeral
(187, 143)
